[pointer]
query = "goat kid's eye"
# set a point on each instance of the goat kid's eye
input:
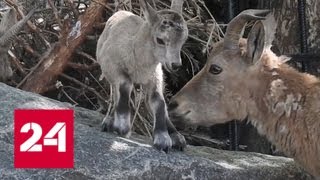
(160, 41)
(215, 69)
(170, 23)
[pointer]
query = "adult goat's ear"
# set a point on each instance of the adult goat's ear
(149, 13)
(256, 43)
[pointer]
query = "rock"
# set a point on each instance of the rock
(100, 155)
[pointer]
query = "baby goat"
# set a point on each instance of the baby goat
(244, 78)
(131, 51)
(9, 27)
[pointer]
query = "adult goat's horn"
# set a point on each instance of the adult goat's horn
(233, 33)
(9, 35)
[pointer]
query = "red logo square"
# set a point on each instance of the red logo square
(43, 138)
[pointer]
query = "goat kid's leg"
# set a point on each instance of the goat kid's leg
(122, 119)
(178, 140)
(161, 138)
(122, 123)
(165, 134)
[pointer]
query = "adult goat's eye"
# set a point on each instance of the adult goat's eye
(160, 41)
(215, 69)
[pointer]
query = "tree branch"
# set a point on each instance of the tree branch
(58, 57)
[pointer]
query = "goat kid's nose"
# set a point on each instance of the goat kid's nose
(172, 105)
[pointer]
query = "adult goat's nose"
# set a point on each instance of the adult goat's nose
(172, 105)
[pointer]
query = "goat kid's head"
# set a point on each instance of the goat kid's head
(168, 32)
(215, 94)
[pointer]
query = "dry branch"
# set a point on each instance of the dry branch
(59, 56)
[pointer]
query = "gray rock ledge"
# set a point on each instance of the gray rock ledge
(100, 155)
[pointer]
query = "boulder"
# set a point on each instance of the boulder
(101, 155)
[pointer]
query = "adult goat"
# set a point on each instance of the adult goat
(244, 78)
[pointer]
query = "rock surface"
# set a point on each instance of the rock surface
(100, 155)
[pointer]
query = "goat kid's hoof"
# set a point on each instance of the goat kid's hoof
(122, 125)
(178, 141)
(123, 131)
(162, 141)
(110, 125)
(106, 125)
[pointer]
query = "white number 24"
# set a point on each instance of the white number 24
(30, 144)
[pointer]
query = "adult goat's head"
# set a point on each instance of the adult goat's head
(168, 32)
(9, 28)
(215, 94)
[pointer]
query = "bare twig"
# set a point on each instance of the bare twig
(71, 6)
(84, 86)
(104, 5)
(17, 64)
(28, 48)
(82, 67)
(55, 12)
(138, 105)
(87, 56)
(67, 95)
(110, 101)
(30, 73)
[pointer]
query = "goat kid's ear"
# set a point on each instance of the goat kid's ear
(177, 5)
(149, 13)
(255, 43)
